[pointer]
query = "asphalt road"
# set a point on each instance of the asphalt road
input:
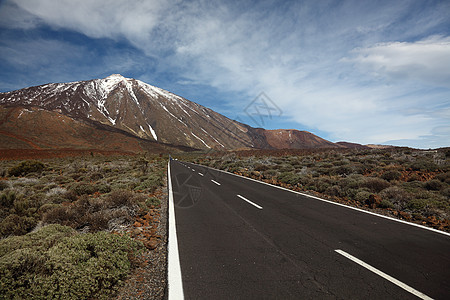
(240, 239)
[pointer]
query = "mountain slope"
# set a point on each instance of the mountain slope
(35, 128)
(154, 114)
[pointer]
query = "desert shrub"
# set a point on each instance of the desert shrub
(289, 178)
(362, 196)
(324, 170)
(120, 198)
(286, 168)
(423, 164)
(7, 199)
(25, 206)
(260, 167)
(434, 185)
(412, 186)
(26, 167)
(391, 175)
(446, 192)
(56, 191)
(4, 185)
(375, 185)
(82, 188)
(14, 224)
(270, 173)
(153, 201)
(418, 204)
(334, 190)
(397, 196)
(62, 179)
(96, 176)
(151, 182)
(103, 188)
(322, 184)
(386, 204)
(55, 262)
(444, 177)
(342, 170)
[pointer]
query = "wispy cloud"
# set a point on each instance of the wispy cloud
(367, 72)
(426, 60)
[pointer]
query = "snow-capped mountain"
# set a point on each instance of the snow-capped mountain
(154, 114)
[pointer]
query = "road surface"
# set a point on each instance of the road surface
(241, 239)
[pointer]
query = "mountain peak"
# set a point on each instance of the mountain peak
(115, 76)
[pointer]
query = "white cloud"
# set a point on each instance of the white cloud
(426, 60)
(99, 19)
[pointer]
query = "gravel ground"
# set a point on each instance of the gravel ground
(149, 279)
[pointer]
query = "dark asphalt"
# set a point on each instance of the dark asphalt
(230, 249)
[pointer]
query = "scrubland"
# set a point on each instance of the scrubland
(75, 228)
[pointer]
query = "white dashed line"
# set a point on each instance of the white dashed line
(200, 174)
(215, 182)
(384, 275)
(252, 203)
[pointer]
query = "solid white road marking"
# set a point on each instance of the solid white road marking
(384, 275)
(215, 182)
(175, 283)
(252, 203)
(200, 174)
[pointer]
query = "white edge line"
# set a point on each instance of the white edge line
(252, 203)
(215, 182)
(339, 204)
(175, 283)
(384, 275)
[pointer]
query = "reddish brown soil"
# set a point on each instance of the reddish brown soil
(13, 154)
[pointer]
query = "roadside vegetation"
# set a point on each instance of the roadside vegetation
(74, 228)
(404, 183)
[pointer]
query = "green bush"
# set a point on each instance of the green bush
(14, 224)
(55, 262)
(120, 198)
(3, 185)
(391, 175)
(151, 182)
(362, 196)
(153, 201)
(376, 185)
(260, 167)
(26, 167)
(7, 199)
(82, 188)
(396, 195)
(289, 178)
(434, 185)
(423, 164)
(334, 190)
(418, 204)
(386, 204)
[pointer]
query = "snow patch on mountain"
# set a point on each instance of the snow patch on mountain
(153, 132)
(201, 140)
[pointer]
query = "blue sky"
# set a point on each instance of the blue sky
(357, 71)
